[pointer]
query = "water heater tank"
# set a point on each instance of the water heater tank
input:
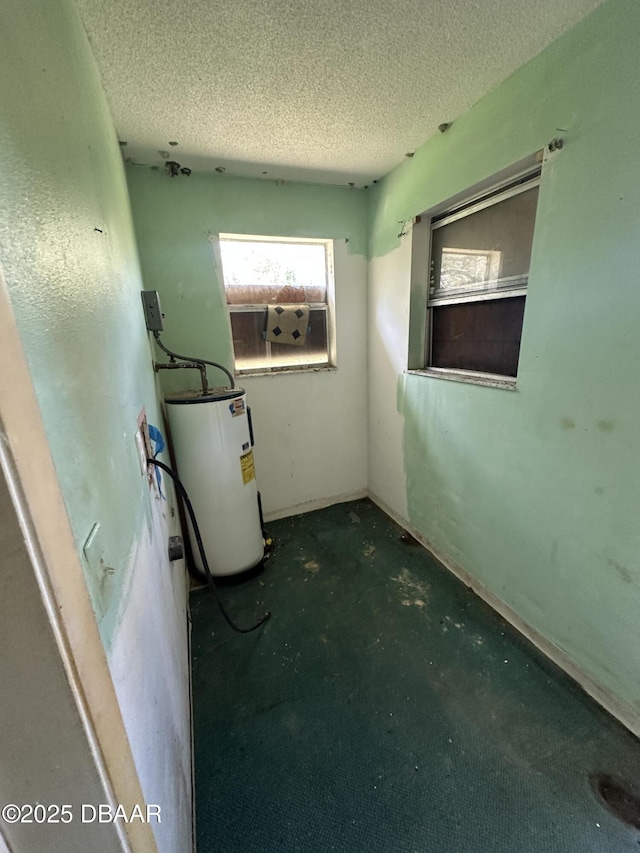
(212, 441)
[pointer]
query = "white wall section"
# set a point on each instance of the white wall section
(311, 426)
(149, 666)
(388, 347)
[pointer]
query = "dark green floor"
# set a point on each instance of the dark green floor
(386, 708)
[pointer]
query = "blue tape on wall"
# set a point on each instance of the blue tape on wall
(157, 438)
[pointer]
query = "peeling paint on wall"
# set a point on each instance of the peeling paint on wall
(310, 426)
(68, 252)
(175, 220)
(535, 493)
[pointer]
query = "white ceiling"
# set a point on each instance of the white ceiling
(318, 90)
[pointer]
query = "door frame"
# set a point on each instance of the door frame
(27, 465)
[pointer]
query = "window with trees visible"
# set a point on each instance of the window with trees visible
(476, 272)
(278, 294)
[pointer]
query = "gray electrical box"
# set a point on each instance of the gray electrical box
(152, 312)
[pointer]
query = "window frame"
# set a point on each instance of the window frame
(328, 307)
(510, 182)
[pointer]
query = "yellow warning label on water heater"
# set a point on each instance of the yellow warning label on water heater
(248, 468)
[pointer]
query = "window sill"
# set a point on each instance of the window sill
(287, 371)
(471, 377)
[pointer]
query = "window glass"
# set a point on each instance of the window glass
(478, 253)
(253, 352)
(264, 272)
(267, 279)
(489, 249)
(482, 336)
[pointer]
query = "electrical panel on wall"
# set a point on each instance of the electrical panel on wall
(152, 310)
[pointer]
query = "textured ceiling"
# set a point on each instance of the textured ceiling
(319, 90)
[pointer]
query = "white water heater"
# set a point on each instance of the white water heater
(212, 441)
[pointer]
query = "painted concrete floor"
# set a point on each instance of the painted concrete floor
(384, 707)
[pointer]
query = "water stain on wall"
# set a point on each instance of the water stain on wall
(623, 571)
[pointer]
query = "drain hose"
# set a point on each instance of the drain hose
(196, 531)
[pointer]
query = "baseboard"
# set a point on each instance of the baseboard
(624, 713)
(310, 506)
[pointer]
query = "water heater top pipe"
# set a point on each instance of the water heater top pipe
(172, 355)
(187, 365)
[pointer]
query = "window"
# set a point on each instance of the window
(479, 254)
(278, 292)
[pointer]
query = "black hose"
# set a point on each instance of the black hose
(171, 354)
(196, 530)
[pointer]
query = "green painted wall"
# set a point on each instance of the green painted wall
(68, 253)
(536, 492)
(174, 218)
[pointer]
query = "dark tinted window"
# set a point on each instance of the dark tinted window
(482, 336)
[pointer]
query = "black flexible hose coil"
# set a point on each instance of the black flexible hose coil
(196, 530)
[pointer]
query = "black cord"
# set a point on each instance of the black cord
(196, 530)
